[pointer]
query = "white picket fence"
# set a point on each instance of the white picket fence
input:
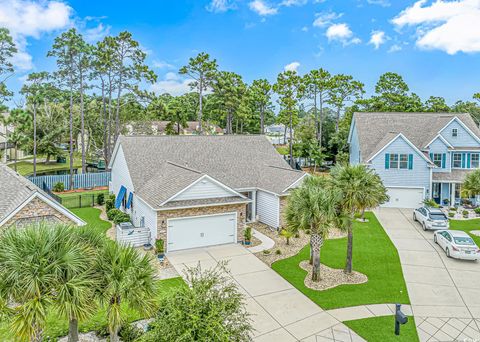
(80, 181)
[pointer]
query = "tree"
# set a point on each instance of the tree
(289, 88)
(314, 206)
(125, 277)
(318, 87)
(7, 50)
(21, 122)
(471, 184)
(177, 116)
(344, 89)
(202, 70)
(261, 96)
(210, 308)
(360, 188)
(436, 104)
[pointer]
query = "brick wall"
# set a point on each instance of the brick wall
(162, 217)
(35, 211)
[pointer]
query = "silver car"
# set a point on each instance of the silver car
(457, 244)
(431, 218)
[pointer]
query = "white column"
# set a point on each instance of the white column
(452, 195)
(254, 205)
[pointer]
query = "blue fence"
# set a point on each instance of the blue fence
(80, 181)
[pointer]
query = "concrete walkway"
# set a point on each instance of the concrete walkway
(444, 292)
(279, 311)
(267, 243)
(367, 311)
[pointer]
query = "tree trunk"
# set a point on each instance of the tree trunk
(200, 104)
(290, 141)
(337, 121)
(104, 113)
(73, 330)
(262, 121)
(348, 266)
(71, 139)
(34, 139)
(37, 334)
(16, 156)
(109, 133)
(317, 124)
(114, 335)
(82, 124)
(285, 135)
(320, 122)
(316, 242)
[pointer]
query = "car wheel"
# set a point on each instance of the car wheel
(435, 239)
(424, 226)
(414, 217)
(448, 252)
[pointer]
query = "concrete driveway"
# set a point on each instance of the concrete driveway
(444, 292)
(279, 311)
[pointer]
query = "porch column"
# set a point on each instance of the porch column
(452, 195)
(254, 205)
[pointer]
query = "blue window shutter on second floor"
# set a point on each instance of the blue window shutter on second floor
(468, 160)
(410, 161)
(463, 160)
(431, 156)
(444, 160)
(387, 161)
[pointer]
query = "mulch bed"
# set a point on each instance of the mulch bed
(331, 277)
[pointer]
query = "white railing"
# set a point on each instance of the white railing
(135, 236)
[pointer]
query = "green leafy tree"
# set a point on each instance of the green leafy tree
(436, 104)
(21, 122)
(177, 116)
(361, 188)
(344, 89)
(471, 184)
(7, 51)
(210, 309)
(202, 70)
(261, 97)
(313, 206)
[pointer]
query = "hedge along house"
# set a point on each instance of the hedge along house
(23, 203)
(195, 191)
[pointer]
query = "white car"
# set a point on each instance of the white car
(431, 218)
(457, 244)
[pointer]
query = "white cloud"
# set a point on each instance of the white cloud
(383, 3)
(163, 65)
(292, 66)
(377, 38)
(342, 33)
(171, 84)
(96, 33)
(220, 6)
(450, 26)
(289, 3)
(394, 48)
(325, 18)
(305, 29)
(25, 19)
(262, 8)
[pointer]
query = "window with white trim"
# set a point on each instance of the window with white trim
(403, 161)
(475, 161)
(437, 159)
(394, 161)
(457, 160)
(454, 132)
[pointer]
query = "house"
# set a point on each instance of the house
(160, 128)
(22, 202)
(418, 155)
(7, 150)
(278, 134)
(194, 191)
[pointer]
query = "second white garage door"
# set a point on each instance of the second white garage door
(201, 231)
(404, 197)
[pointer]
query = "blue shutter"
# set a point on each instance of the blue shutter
(431, 156)
(468, 160)
(463, 160)
(387, 161)
(410, 161)
(444, 159)
(120, 196)
(129, 201)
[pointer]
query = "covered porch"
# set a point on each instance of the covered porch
(447, 187)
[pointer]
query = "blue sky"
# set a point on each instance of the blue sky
(435, 45)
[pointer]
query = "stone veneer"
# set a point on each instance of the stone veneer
(283, 205)
(35, 210)
(163, 215)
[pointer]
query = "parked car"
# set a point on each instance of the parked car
(457, 244)
(431, 218)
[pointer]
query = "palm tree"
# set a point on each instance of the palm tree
(361, 188)
(126, 278)
(471, 185)
(313, 206)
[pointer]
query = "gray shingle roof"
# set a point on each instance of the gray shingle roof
(374, 129)
(205, 201)
(14, 190)
(160, 166)
(453, 176)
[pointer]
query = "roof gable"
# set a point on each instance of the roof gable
(461, 140)
(408, 142)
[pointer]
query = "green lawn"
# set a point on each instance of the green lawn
(25, 168)
(81, 199)
(467, 226)
(381, 329)
(92, 217)
(283, 150)
(373, 254)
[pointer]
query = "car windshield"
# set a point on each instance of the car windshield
(463, 241)
(437, 216)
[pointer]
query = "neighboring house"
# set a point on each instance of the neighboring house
(160, 128)
(194, 191)
(418, 155)
(22, 202)
(278, 134)
(9, 147)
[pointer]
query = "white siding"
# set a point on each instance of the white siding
(268, 208)
(204, 188)
(141, 209)
(120, 174)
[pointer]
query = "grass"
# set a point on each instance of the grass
(373, 254)
(467, 226)
(25, 168)
(81, 199)
(92, 217)
(381, 329)
(283, 150)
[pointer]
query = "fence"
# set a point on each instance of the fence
(80, 181)
(80, 200)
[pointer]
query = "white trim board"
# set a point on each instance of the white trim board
(460, 122)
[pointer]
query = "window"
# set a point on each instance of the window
(437, 159)
(394, 161)
(475, 161)
(404, 161)
(457, 160)
(454, 132)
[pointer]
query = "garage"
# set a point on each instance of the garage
(201, 231)
(404, 197)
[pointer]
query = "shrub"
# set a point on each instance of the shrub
(100, 199)
(287, 234)
(451, 214)
(267, 252)
(58, 187)
(112, 213)
(102, 331)
(465, 213)
(297, 236)
(130, 333)
(121, 217)
(430, 203)
(159, 246)
(453, 209)
(110, 202)
(307, 231)
(357, 215)
(477, 210)
(278, 252)
(248, 234)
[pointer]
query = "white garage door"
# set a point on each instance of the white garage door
(201, 231)
(404, 197)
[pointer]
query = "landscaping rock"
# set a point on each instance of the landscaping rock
(331, 277)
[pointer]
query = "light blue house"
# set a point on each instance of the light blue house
(417, 155)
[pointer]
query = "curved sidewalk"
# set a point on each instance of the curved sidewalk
(267, 243)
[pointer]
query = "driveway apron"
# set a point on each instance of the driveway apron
(444, 292)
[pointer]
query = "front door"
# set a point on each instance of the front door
(436, 192)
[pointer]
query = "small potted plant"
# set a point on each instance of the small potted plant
(160, 249)
(248, 236)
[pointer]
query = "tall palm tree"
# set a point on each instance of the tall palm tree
(361, 188)
(471, 185)
(126, 278)
(313, 206)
